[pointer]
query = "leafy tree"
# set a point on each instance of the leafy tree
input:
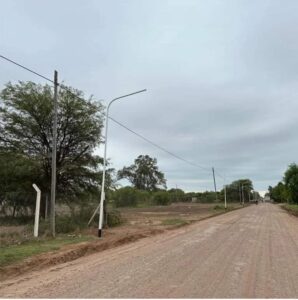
(26, 130)
(279, 193)
(235, 188)
(143, 174)
(17, 173)
(206, 197)
(291, 182)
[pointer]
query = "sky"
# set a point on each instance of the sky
(221, 78)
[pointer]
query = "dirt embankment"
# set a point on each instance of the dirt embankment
(72, 252)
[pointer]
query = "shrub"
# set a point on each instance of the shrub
(63, 224)
(20, 220)
(218, 207)
(161, 198)
(68, 224)
(114, 218)
(143, 197)
(177, 195)
(126, 196)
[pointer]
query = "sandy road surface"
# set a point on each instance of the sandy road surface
(252, 252)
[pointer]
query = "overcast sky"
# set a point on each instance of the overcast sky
(221, 77)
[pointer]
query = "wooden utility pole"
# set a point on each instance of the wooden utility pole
(225, 196)
(46, 206)
(54, 158)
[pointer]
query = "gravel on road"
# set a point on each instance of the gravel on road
(247, 253)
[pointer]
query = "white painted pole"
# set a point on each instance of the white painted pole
(37, 208)
(102, 197)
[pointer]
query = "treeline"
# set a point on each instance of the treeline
(238, 191)
(287, 189)
(25, 157)
(131, 196)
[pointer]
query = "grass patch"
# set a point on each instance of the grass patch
(291, 208)
(15, 221)
(218, 207)
(16, 253)
(177, 222)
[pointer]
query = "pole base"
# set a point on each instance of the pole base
(99, 233)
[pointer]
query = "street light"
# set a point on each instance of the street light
(102, 197)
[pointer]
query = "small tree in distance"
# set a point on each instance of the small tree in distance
(291, 182)
(143, 174)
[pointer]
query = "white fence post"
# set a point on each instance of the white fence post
(37, 209)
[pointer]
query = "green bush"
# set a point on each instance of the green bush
(63, 224)
(114, 218)
(143, 198)
(161, 198)
(19, 220)
(126, 196)
(177, 195)
(69, 224)
(218, 207)
(129, 196)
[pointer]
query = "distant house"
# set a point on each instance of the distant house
(267, 198)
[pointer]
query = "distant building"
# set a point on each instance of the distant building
(267, 198)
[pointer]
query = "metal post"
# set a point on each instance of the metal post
(214, 183)
(54, 149)
(102, 197)
(37, 209)
(240, 200)
(242, 195)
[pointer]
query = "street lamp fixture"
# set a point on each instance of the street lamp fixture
(102, 197)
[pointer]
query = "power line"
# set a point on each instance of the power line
(42, 76)
(25, 68)
(159, 147)
(120, 124)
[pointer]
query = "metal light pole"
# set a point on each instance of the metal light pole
(102, 197)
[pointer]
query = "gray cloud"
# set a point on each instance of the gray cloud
(221, 77)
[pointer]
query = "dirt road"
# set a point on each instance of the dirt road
(252, 252)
